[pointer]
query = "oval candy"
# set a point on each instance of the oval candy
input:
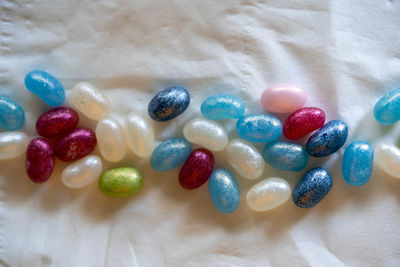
(283, 98)
(387, 109)
(259, 128)
(57, 121)
(197, 169)
(285, 156)
(139, 135)
(12, 144)
(170, 154)
(302, 122)
(120, 182)
(12, 116)
(224, 106)
(82, 172)
(111, 140)
(39, 160)
(357, 163)
(75, 145)
(387, 156)
(224, 191)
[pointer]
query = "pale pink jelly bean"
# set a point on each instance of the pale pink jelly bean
(283, 98)
(39, 160)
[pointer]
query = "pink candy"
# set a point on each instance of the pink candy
(283, 98)
(75, 145)
(57, 121)
(39, 160)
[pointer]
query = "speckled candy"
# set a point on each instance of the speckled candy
(283, 98)
(259, 128)
(357, 163)
(111, 140)
(170, 154)
(224, 191)
(285, 156)
(12, 116)
(12, 144)
(387, 156)
(57, 121)
(169, 103)
(302, 122)
(82, 172)
(39, 160)
(121, 182)
(75, 144)
(197, 169)
(387, 109)
(224, 106)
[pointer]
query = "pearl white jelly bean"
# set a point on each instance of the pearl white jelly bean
(206, 133)
(111, 140)
(139, 135)
(387, 156)
(245, 159)
(12, 144)
(82, 172)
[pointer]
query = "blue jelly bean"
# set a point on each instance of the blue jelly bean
(387, 109)
(169, 103)
(12, 116)
(46, 86)
(285, 156)
(357, 163)
(259, 128)
(328, 139)
(170, 154)
(225, 106)
(312, 188)
(224, 191)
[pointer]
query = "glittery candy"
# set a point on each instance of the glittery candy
(121, 182)
(259, 128)
(283, 98)
(12, 144)
(224, 106)
(197, 169)
(82, 172)
(57, 121)
(111, 140)
(39, 160)
(12, 116)
(387, 109)
(75, 144)
(357, 163)
(170, 154)
(285, 156)
(139, 135)
(387, 156)
(302, 122)
(224, 191)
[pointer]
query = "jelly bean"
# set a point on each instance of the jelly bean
(312, 188)
(139, 135)
(206, 133)
(268, 194)
(387, 109)
(224, 191)
(357, 163)
(245, 159)
(75, 145)
(12, 116)
(39, 160)
(111, 140)
(120, 182)
(387, 156)
(57, 121)
(327, 140)
(169, 103)
(46, 86)
(259, 128)
(302, 122)
(285, 156)
(12, 144)
(82, 172)
(219, 107)
(170, 154)
(283, 98)
(197, 169)
(89, 100)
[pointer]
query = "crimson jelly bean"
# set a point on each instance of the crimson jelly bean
(57, 121)
(303, 121)
(39, 160)
(75, 145)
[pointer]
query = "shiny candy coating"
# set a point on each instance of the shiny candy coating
(387, 156)
(224, 191)
(170, 154)
(357, 163)
(75, 145)
(46, 86)
(12, 116)
(12, 144)
(139, 135)
(82, 172)
(387, 109)
(57, 121)
(285, 156)
(121, 182)
(283, 98)
(197, 169)
(259, 128)
(224, 106)
(302, 122)
(111, 140)
(39, 160)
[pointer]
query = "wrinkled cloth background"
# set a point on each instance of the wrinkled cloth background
(345, 53)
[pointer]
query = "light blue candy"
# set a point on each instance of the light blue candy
(47, 87)
(357, 163)
(259, 128)
(285, 156)
(12, 116)
(224, 191)
(225, 106)
(170, 154)
(387, 109)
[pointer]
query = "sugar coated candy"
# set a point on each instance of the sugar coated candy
(283, 98)
(12, 144)
(75, 145)
(357, 163)
(387, 109)
(39, 160)
(302, 122)
(224, 191)
(139, 135)
(56, 121)
(120, 182)
(197, 169)
(111, 140)
(285, 156)
(387, 156)
(12, 116)
(259, 128)
(223, 106)
(170, 154)
(82, 172)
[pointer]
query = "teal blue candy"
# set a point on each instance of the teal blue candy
(357, 163)
(170, 154)
(224, 191)
(12, 116)
(387, 109)
(285, 156)
(225, 106)
(259, 128)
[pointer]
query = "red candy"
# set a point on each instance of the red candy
(197, 169)
(57, 121)
(302, 122)
(39, 160)
(75, 145)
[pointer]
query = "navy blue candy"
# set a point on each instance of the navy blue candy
(225, 106)
(387, 109)
(314, 186)
(259, 128)
(12, 116)
(170, 154)
(224, 191)
(169, 103)
(285, 156)
(357, 163)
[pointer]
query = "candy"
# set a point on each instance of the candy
(259, 128)
(57, 121)
(169, 103)
(387, 109)
(170, 154)
(197, 169)
(111, 140)
(47, 87)
(283, 98)
(224, 191)
(139, 135)
(39, 160)
(327, 140)
(12, 116)
(387, 156)
(285, 156)
(245, 159)
(302, 122)
(225, 106)
(12, 144)
(268, 194)
(312, 188)
(121, 182)
(357, 163)
(206, 133)
(82, 172)
(75, 145)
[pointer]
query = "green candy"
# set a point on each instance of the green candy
(120, 182)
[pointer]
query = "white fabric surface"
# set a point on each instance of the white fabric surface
(345, 53)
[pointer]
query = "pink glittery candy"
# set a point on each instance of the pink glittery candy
(39, 160)
(302, 122)
(57, 121)
(197, 169)
(283, 98)
(75, 144)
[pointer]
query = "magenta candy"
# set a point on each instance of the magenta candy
(197, 169)
(57, 121)
(303, 121)
(75, 144)
(39, 160)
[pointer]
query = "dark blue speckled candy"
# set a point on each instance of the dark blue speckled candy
(285, 156)
(328, 139)
(314, 186)
(169, 103)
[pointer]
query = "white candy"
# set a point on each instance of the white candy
(268, 194)
(90, 101)
(12, 144)
(139, 135)
(387, 156)
(206, 133)
(82, 172)
(245, 159)
(111, 140)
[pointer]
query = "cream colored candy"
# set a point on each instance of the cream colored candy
(111, 140)
(245, 159)
(206, 133)
(82, 172)
(139, 135)
(90, 101)
(12, 144)
(387, 156)
(268, 194)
